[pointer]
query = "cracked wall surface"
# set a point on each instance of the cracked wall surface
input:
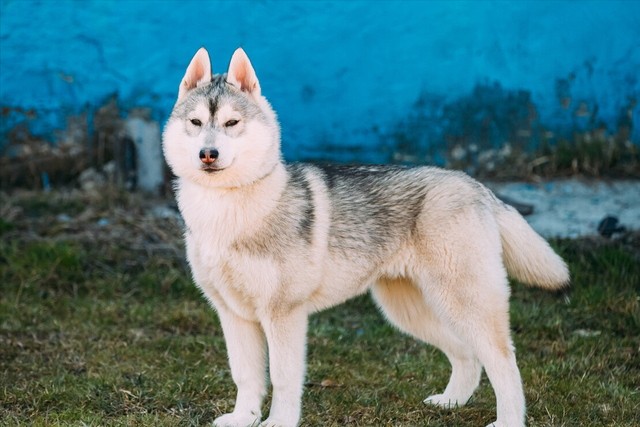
(359, 81)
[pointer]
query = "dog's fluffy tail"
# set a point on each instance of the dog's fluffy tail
(526, 255)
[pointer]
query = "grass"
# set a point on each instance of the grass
(100, 331)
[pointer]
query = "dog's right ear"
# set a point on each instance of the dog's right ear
(198, 72)
(242, 75)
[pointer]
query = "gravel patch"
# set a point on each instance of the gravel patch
(573, 208)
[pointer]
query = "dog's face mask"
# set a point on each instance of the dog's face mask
(221, 132)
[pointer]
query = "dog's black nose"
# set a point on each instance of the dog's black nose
(208, 156)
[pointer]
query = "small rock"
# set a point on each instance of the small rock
(609, 225)
(522, 209)
(109, 170)
(458, 153)
(505, 151)
(91, 180)
(324, 383)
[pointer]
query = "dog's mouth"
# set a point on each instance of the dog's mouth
(209, 170)
(212, 170)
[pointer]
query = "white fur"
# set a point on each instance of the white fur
(242, 75)
(447, 286)
(527, 256)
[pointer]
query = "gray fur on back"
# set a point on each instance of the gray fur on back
(373, 208)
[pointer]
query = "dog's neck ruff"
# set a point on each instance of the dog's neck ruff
(269, 173)
(248, 185)
(231, 211)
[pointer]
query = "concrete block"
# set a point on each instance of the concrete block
(146, 137)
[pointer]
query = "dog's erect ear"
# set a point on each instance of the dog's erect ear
(199, 71)
(242, 75)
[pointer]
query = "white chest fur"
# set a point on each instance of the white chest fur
(215, 219)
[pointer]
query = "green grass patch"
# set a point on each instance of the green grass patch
(103, 337)
(6, 226)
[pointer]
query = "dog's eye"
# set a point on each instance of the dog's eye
(231, 123)
(196, 122)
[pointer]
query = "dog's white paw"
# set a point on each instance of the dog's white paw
(499, 424)
(443, 401)
(277, 423)
(237, 420)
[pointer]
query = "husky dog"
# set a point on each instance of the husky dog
(269, 243)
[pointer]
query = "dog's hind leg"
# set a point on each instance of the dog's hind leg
(482, 323)
(404, 306)
(463, 279)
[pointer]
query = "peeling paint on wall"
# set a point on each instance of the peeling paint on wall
(396, 81)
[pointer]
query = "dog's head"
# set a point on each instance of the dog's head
(222, 132)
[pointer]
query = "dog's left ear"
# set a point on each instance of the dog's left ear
(242, 75)
(198, 72)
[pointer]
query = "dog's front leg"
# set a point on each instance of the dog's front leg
(246, 348)
(286, 337)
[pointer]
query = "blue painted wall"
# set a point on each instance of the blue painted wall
(345, 77)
